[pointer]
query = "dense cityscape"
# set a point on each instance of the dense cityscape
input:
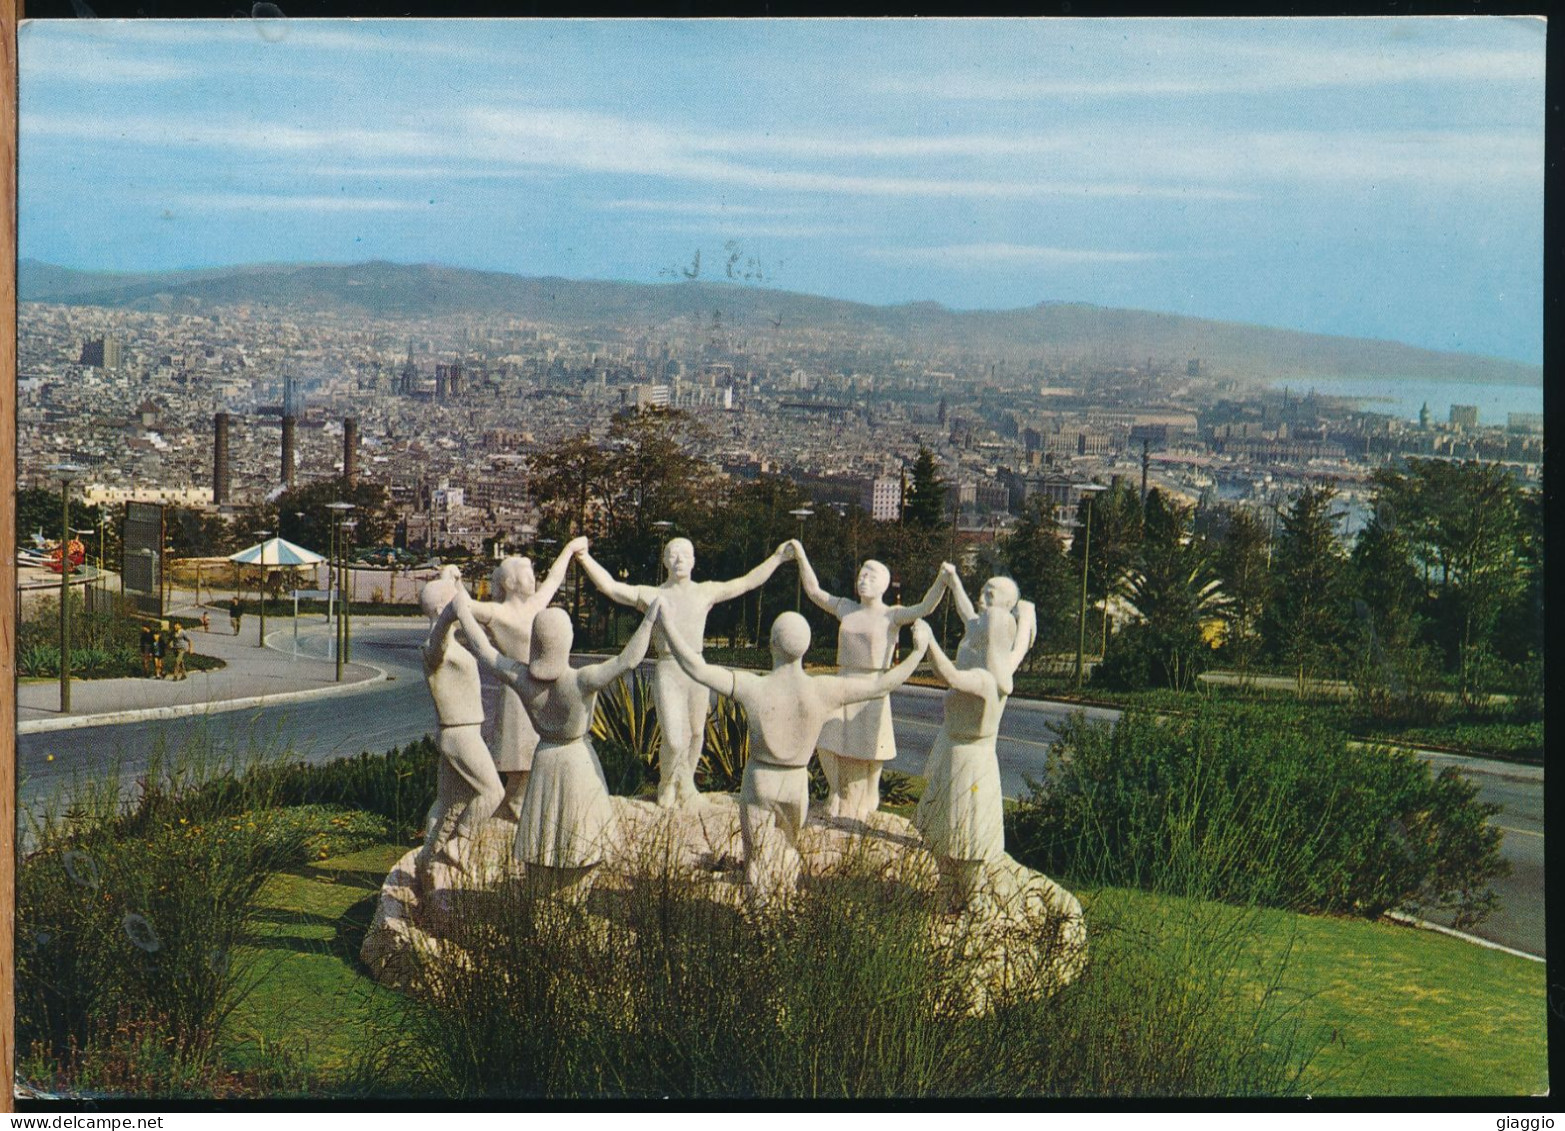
(449, 411)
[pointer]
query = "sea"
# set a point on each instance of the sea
(1403, 397)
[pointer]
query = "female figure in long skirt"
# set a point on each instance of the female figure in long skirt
(519, 598)
(858, 739)
(566, 817)
(961, 812)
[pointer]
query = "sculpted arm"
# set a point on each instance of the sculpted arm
(953, 581)
(599, 676)
(811, 583)
(440, 634)
(937, 588)
(616, 591)
(728, 590)
(576, 547)
(462, 608)
(971, 680)
(1026, 632)
(710, 675)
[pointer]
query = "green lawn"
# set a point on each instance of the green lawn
(1396, 1011)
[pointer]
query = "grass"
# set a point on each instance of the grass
(1397, 1011)
(317, 1002)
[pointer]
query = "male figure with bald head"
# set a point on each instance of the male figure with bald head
(468, 788)
(681, 701)
(787, 708)
(509, 618)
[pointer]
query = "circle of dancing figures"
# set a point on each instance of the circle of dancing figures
(544, 776)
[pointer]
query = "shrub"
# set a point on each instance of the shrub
(844, 992)
(1254, 804)
(141, 909)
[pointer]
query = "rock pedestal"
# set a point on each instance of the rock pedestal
(1021, 933)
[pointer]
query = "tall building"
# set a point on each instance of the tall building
(1464, 416)
(103, 353)
(882, 498)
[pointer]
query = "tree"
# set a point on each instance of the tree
(1305, 622)
(926, 494)
(302, 516)
(1115, 515)
(1242, 565)
(1466, 527)
(1034, 554)
(1174, 588)
(568, 482)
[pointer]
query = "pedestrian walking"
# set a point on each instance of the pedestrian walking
(179, 644)
(206, 621)
(159, 645)
(146, 650)
(236, 609)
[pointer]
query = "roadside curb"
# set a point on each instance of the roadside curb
(215, 707)
(1426, 925)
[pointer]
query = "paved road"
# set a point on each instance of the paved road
(393, 713)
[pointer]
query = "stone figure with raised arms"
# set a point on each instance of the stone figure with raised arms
(961, 812)
(786, 709)
(857, 740)
(681, 702)
(566, 817)
(468, 789)
(509, 618)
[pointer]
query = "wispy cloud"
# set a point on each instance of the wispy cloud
(268, 202)
(1181, 65)
(719, 209)
(974, 255)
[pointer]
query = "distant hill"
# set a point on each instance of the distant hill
(1048, 330)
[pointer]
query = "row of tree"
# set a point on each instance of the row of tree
(1445, 581)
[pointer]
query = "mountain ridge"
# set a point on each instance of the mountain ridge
(1050, 327)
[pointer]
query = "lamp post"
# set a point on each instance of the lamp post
(339, 510)
(65, 472)
(348, 527)
(261, 639)
(662, 526)
(800, 513)
(1086, 557)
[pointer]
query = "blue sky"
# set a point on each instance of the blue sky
(1372, 177)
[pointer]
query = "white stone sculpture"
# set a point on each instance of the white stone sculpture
(566, 818)
(786, 709)
(961, 812)
(858, 739)
(468, 788)
(509, 618)
(681, 701)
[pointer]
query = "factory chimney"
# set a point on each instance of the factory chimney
(290, 411)
(220, 459)
(350, 449)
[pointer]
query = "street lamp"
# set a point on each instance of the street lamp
(348, 527)
(66, 473)
(339, 510)
(800, 513)
(662, 526)
(263, 535)
(1087, 494)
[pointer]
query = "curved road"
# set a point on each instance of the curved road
(393, 713)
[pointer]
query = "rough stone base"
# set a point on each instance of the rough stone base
(1021, 930)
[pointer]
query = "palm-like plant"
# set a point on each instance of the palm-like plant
(1174, 588)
